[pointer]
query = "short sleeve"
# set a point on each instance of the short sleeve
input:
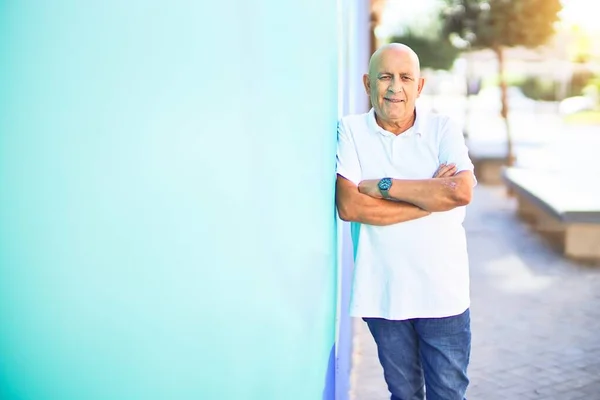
(348, 164)
(453, 148)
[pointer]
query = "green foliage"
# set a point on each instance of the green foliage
(594, 85)
(510, 79)
(579, 80)
(545, 89)
(592, 90)
(583, 118)
(501, 23)
(539, 89)
(434, 52)
(534, 87)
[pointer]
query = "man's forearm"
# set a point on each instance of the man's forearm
(368, 210)
(357, 207)
(386, 212)
(436, 194)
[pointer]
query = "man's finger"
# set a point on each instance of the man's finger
(445, 170)
(449, 169)
(449, 172)
(437, 171)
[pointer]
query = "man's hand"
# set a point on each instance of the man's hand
(370, 187)
(445, 171)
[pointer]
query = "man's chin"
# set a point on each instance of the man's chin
(396, 116)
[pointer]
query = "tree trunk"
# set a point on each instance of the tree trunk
(510, 157)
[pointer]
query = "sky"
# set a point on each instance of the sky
(403, 12)
(579, 12)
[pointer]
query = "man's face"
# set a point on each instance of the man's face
(394, 84)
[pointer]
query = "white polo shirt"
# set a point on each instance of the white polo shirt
(414, 269)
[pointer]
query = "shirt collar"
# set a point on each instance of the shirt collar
(418, 127)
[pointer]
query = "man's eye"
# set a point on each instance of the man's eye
(406, 78)
(384, 78)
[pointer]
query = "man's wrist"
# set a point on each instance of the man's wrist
(384, 186)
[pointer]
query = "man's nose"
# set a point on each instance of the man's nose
(395, 86)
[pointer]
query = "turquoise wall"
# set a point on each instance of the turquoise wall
(166, 199)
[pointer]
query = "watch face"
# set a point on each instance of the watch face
(385, 184)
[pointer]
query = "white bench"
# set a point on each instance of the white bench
(563, 206)
(488, 159)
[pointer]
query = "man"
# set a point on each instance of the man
(404, 179)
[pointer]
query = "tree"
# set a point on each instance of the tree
(497, 24)
(435, 51)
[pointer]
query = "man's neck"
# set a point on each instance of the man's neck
(399, 126)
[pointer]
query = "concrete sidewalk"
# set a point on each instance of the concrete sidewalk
(535, 315)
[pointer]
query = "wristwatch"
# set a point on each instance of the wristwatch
(384, 187)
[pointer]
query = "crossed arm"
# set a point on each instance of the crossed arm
(413, 198)
(359, 207)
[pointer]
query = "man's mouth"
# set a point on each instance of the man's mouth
(394, 100)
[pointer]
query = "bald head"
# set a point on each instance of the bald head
(394, 50)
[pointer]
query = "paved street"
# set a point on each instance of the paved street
(535, 315)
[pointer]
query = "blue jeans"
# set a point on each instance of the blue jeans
(424, 355)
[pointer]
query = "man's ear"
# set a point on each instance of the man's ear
(421, 84)
(367, 83)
